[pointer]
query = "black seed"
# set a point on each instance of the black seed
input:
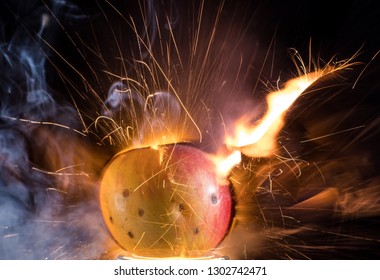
(111, 220)
(196, 230)
(181, 207)
(130, 234)
(141, 212)
(214, 199)
(125, 193)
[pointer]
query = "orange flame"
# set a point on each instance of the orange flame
(259, 141)
(225, 163)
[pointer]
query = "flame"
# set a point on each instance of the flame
(224, 163)
(260, 140)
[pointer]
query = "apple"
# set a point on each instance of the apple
(165, 202)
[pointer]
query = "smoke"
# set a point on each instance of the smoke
(40, 151)
(156, 117)
(79, 82)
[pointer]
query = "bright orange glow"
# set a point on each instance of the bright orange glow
(224, 164)
(259, 141)
(125, 256)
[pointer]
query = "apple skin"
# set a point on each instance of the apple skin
(165, 202)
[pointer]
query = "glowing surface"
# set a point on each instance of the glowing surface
(165, 202)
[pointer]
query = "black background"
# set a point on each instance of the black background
(334, 29)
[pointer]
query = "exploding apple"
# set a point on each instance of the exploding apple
(165, 202)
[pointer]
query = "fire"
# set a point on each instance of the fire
(155, 182)
(260, 140)
(224, 163)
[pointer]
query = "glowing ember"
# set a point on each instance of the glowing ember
(165, 202)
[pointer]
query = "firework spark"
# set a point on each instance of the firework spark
(83, 85)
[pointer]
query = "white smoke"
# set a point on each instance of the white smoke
(36, 221)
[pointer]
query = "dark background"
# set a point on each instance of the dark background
(332, 29)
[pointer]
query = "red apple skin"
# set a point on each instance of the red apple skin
(165, 202)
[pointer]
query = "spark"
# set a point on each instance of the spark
(11, 235)
(44, 123)
(341, 234)
(252, 138)
(364, 69)
(332, 134)
(138, 243)
(59, 173)
(56, 190)
(49, 221)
